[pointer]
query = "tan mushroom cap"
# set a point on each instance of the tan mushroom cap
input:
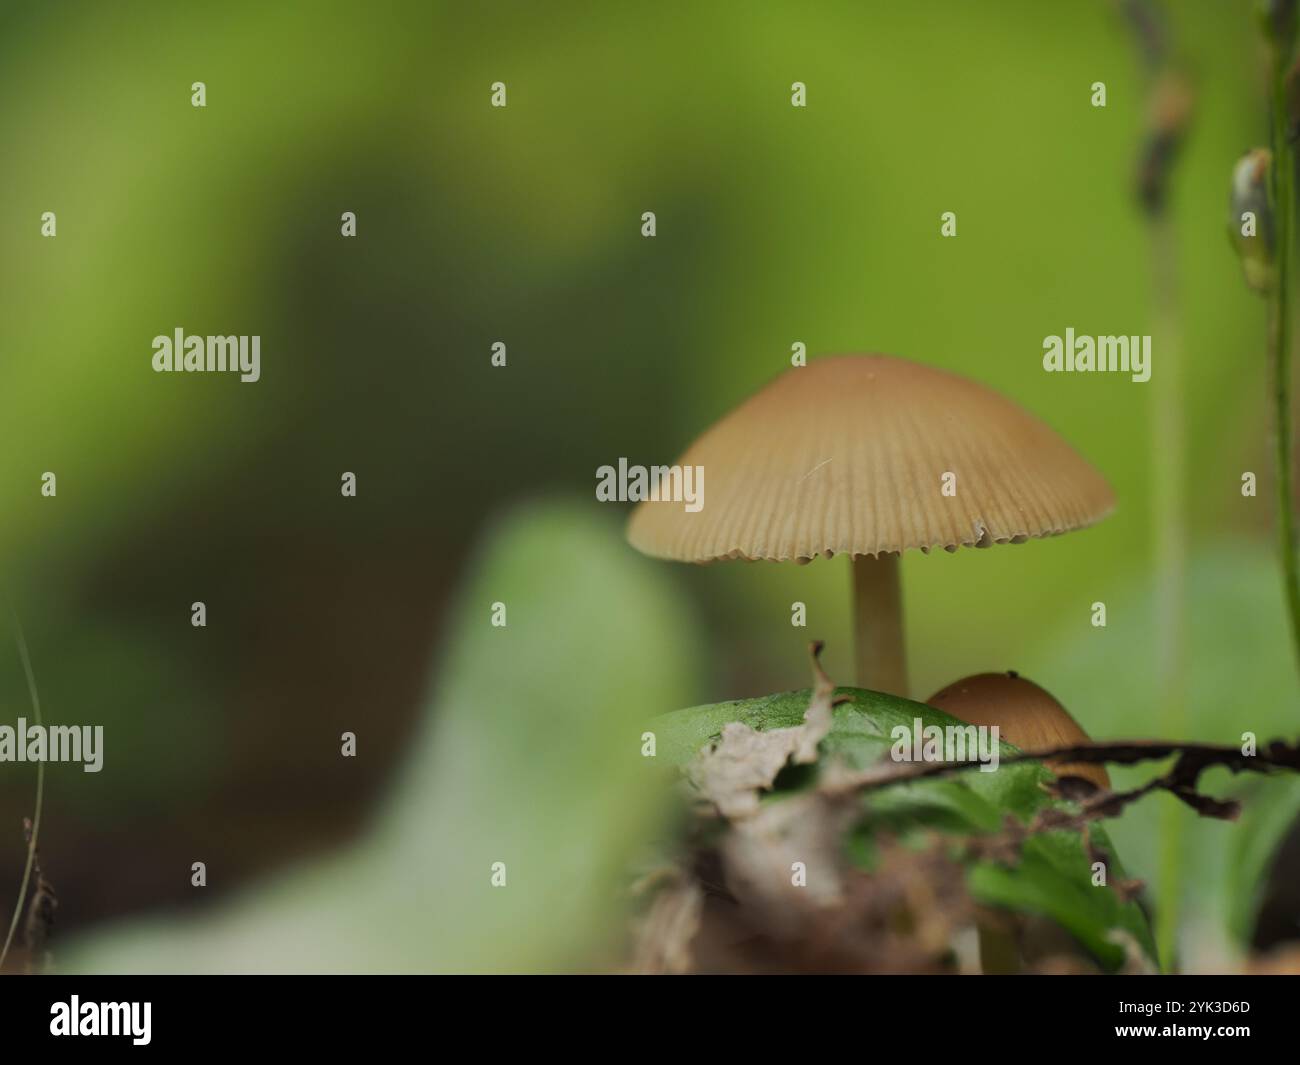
(847, 455)
(1026, 715)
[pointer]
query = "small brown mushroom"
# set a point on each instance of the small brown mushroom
(1025, 714)
(869, 455)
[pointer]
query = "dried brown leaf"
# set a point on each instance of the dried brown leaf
(663, 937)
(744, 761)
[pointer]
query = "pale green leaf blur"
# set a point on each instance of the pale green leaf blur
(522, 807)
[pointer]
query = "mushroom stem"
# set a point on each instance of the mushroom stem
(878, 624)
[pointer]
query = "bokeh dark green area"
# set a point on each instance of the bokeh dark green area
(521, 225)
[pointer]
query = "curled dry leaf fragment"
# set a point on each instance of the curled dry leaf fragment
(744, 761)
(665, 933)
(761, 854)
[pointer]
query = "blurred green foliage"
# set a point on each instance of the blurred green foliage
(529, 754)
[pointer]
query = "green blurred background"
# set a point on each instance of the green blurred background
(522, 225)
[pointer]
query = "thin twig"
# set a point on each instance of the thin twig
(40, 789)
(40, 913)
(1193, 758)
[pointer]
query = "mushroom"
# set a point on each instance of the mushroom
(869, 455)
(1025, 714)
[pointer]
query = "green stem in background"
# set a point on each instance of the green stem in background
(1281, 187)
(1168, 470)
(40, 793)
(1169, 102)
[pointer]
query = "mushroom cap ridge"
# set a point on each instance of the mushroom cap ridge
(849, 455)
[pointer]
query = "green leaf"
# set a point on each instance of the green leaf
(1053, 876)
(528, 753)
